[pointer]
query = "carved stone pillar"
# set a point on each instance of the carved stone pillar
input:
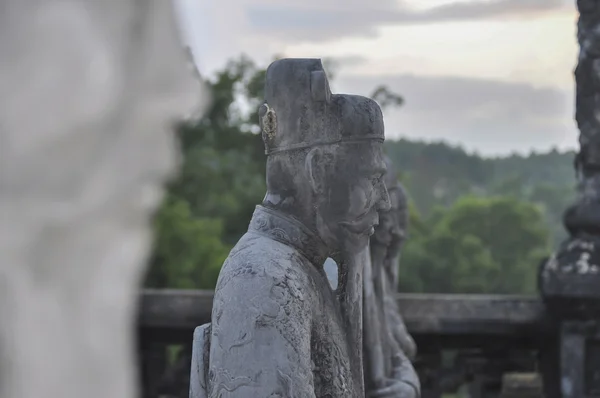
(570, 279)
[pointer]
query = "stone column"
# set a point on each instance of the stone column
(570, 279)
(88, 91)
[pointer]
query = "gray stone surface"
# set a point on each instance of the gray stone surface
(574, 271)
(451, 320)
(278, 328)
(386, 249)
(87, 93)
(200, 355)
(569, 280)
(387, 345)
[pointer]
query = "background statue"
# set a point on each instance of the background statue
(385, 248)
(278, 328)
(88, 90)
(388, 346)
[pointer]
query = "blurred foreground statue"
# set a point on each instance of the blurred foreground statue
(387, 345)
(88, 90)
(569, 280)
(278, 328)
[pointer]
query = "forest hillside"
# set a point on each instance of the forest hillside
(477, 225)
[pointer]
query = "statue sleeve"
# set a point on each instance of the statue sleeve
(260, 339)
(398, 328)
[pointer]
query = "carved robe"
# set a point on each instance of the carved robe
(277, 329)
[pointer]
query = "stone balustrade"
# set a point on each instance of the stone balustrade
(463, 340)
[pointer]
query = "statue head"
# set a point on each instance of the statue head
(393, 223)
(325, 163)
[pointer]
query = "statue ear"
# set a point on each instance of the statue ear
(267, 120)
(318, 164)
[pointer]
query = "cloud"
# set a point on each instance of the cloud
(487, 9)
(335, 19)
(349, 60)
(490, 116)
(263, 28)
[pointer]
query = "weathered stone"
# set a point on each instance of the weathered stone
(397, 219)
(493, 334)
(452, 320)
(574, 271)
(569, 280)
(88, 91)
(278, 328)
(200, 356)
(388, 346)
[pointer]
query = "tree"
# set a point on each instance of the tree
(220, 182)
(463, 248)
(479, 245)
(187, 251)
(438, 174)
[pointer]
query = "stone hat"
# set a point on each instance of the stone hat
(395, 188)
(301, 112)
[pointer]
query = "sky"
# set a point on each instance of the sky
(493, 76)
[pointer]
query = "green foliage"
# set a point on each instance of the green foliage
(478, 245)
(437, 174)
(188, 251)
(220, 182)
(477, 225)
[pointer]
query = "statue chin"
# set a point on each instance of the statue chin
(346, 241)
(352, 245)
(356, 243)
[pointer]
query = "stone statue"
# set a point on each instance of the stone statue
(278, 328)
(89, 90)
(387, 345)
(385, 248)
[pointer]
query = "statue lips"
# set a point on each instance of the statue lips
(364, 224)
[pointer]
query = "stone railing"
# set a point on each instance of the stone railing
(473, 341)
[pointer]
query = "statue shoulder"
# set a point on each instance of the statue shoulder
(256, 281)
(259, 263)
(261, 327)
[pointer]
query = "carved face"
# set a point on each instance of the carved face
(352, 192)
(391, 230)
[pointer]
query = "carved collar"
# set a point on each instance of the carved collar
(289, 231)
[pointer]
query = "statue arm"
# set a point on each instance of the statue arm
(260, 340)
(404, 382)
(398, 329)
